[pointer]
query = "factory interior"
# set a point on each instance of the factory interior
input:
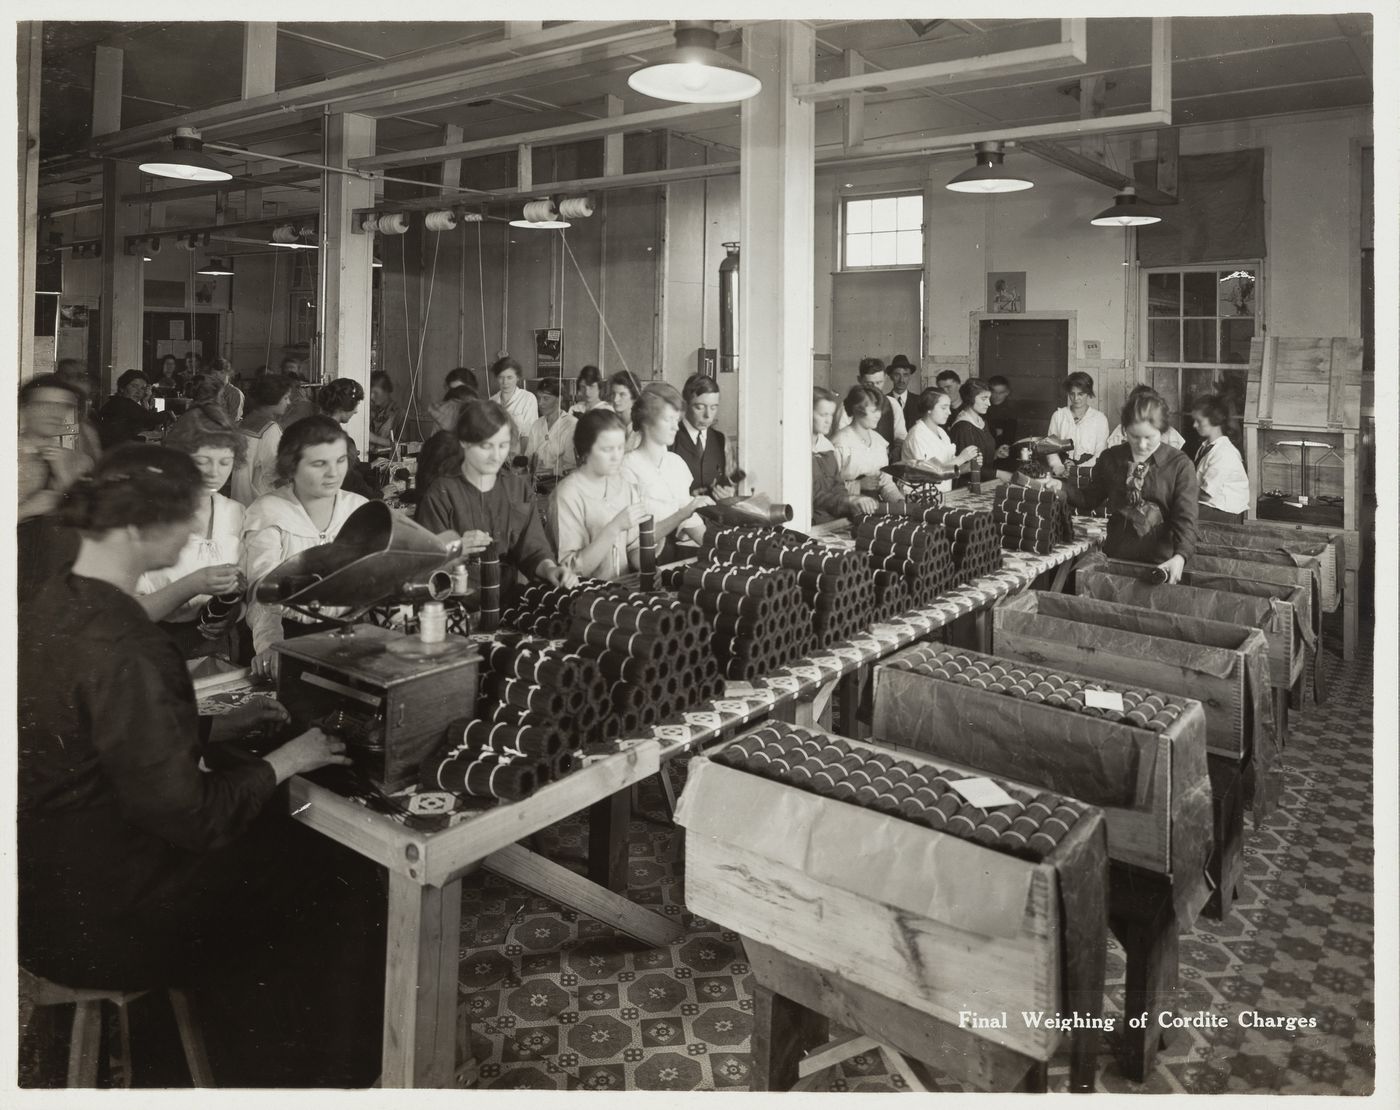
(754, 555)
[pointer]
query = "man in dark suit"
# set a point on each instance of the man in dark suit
(699, 442)
(998, 417)
(905, 402)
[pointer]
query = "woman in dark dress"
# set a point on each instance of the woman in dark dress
(1150, 489)
(970, 425)
(148, 857)
(482, 502)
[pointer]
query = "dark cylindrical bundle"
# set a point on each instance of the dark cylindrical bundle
(636, 644)
(646, 553)
(823, 562)
(820, 583)
(656, 621)
(753, 628)
(752, 583)
(487, 776)
(539, 667)
(490, 587)
(538, 699)
(908, 532)
(624, 696)
(537, 743)
(507, 713)
(724, 602)
(618, 667)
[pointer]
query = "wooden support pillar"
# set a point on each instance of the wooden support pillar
(524, 167)
(28, 59)
(106, 90)
(259, 59)
(1168, 151)
(776, 186)
(853, 109)
(1091, 101)
(612, 144)
(122, 279)
(347, 255)
(451, 167)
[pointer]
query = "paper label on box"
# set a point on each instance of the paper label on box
(983, 793)
(1104, 699)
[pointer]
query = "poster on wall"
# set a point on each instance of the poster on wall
(1006, 291)
(549, 349)
(72, 339)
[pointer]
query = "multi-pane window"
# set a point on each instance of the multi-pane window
(883, 231)
(1198, 325)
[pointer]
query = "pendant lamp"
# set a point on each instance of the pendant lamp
(695, 72)
(217, 267)
(1125, 212)
(187, 162)
(989, 175)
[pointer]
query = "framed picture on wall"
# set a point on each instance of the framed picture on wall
(1006, 291)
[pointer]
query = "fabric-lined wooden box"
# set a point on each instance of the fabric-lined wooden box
(1299, 544)
(1146, 769)
(1277, 611)
(869, 866)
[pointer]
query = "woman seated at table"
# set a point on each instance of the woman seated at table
(255, 472)
(1171, 437)
(928, 439)
(482, 502)
(308, 508)
(970, 429)
(148, 857)
(1150, 490)
(209, 563)
(206, 409)
(589, 392)
(1077, 420)
(863, 451)
(662, 477)
(383, 413)
(550, 444)
(596, 509)
(623, 392)
(830, 498)
(1219, 468)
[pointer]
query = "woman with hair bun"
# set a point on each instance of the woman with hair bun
(623, 393)
(1219, 467)
(208, 565)
(308, 508)
(256, 470)
(661, 477)
(970, 428)
(589, 392)
(1150, 489)
(596, 509)
(483, 502)
(146, 856)
(864, 452)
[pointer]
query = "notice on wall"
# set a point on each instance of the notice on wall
(177, 329)
(549, 349)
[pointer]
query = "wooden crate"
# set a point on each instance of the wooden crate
(1274, 610)
(1298, 542)
(876, 900)
(1206, 660)
(1305, 579)
(1153, 787)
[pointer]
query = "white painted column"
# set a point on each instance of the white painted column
(123, 279)
(347, 255)
(776, 188)
(29, 59)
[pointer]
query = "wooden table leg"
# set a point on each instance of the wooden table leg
(607, 841)
(1281, 714)
(1145, 923)
(420, 983)
(784, 1032)
(852, 693)
(1227, 808)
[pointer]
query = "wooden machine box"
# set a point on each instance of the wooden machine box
(390, 708)
(932, 920)
(1277, 611)
(1223, 666)
(1303, 547)
(1153, 786)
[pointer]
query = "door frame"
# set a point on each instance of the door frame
(975, 327)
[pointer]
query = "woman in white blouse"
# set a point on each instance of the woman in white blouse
(1171, 437)
(1080, 422)
(1219, 468)
(595, 509)
(255, 475)
(928, 439)
(550, 445)
(863, 451)
(661, 477)
(589, 392)
(209, 562)
(520, 406)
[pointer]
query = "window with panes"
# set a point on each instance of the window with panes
(882, 232)
(1197, 325)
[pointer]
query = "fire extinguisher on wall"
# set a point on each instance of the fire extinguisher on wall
(729, 310)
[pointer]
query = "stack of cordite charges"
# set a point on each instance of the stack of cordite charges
(917, 553)
(972, 537)
(1032, 519)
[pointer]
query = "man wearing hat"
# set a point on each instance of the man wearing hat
(899, 371)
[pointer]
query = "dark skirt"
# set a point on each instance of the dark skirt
(1207, 512)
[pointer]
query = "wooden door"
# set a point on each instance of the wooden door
(1033, 355)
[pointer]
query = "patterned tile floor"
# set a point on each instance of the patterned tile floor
(551, 1000)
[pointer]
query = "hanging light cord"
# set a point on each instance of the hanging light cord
(601, 318)
(271, 309)
(481, 292)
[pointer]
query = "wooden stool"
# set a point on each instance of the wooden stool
(87, 1028)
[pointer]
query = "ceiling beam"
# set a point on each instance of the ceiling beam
(565, 133)
(539, 47)
(106, 90)
(238, 184)
(259, 59)
(1093, 169)
(1356, 31)
(1070, 50)
(1059, 129)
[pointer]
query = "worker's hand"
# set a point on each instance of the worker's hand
(1052, 484)
(700, 502)
(866, 504)
(967, 454)
(312, 749)
(629, 518)
(556, 575)
(475, 542)
(1173, 567)
(264, 664)
(64, 463)
(258, 712)
(722, 492)
(221, 579)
